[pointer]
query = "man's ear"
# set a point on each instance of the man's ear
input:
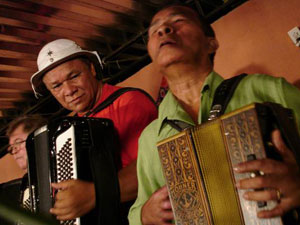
(93, 70)
(213, 44)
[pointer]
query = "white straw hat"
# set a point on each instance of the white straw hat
(53, 54)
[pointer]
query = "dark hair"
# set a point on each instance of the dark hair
(30, 123)
(205, 25)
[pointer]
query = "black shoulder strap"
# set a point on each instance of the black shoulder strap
(110, 99)
(223, 95)
(286, 123)
(177, 125)
(221, 99)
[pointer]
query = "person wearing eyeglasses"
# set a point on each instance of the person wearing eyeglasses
(17, 133)
(16, 149)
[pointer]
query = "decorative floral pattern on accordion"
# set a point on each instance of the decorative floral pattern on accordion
(197, 165)
(180, 175)
(244, 139)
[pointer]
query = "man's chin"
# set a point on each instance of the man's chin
(165, 64)
(81, 110)
(22, 165)
(78, 108)
(169, 60)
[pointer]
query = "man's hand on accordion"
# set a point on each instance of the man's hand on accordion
(280, 180)
(157, 210)
(70, 202)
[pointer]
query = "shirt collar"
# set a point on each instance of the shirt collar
(212, 81)
(171, 109)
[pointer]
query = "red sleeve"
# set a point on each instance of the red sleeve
(136, 111)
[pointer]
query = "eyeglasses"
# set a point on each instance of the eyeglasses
(15, 147)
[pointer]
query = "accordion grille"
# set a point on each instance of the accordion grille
(182, 176)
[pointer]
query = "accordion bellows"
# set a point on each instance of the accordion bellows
(197, 165)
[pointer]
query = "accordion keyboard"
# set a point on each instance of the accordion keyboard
(66, 162)
(26, 203)
(26, 200)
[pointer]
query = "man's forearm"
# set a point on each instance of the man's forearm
(128, 182)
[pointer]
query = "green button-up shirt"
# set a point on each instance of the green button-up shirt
(253, 88)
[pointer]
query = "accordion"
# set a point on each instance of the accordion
(198, 165)
(75, 148)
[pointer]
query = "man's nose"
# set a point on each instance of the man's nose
(16, 149)
(165, 29)
(69, 89)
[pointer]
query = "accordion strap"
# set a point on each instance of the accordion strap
(223, 94)
(110, 99)
(221, 99)
(287, 126)
(177, 124)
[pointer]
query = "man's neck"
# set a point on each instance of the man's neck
(186, 82)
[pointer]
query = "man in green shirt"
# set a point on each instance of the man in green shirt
(182, 46)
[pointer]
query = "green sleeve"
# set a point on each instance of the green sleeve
(263, 88)
(150, 177)
(291, 98)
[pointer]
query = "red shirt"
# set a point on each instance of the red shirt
(130, 113)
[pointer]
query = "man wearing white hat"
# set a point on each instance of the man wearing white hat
(69, 73)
